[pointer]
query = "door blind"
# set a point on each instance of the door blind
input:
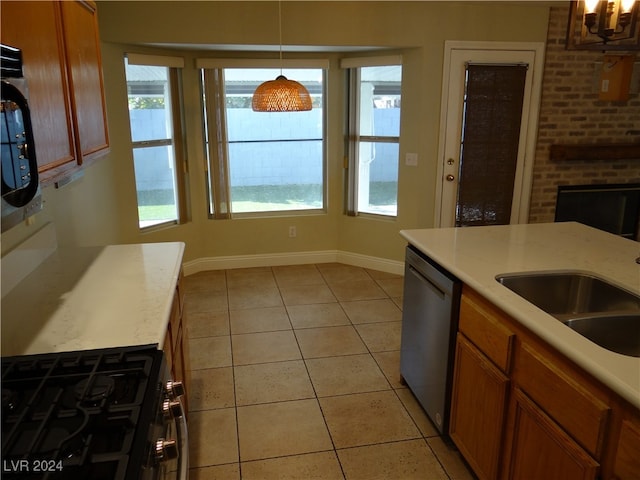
(492, 115)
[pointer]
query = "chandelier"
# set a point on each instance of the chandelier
(604, 25)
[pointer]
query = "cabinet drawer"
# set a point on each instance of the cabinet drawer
(480, 323)
(580, 412)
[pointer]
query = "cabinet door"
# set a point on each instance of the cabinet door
(186, 359)
(84, 63)
(178, 364)
(558, 390)
(627, 458)
(181, 370)
(478, 408)
(168, 349)
(35, 28)
(541, 449)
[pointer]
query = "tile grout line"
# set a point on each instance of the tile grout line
(315, 392)
(369, 352)
(233, 375)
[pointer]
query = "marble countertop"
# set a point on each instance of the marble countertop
(92, 297)
(477, 254)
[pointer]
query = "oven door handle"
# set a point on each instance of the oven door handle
(182, 434)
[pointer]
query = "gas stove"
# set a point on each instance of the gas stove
(99, 414)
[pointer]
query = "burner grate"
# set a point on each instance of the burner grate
(73, 415)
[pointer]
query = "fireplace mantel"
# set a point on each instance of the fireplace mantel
(613, 151)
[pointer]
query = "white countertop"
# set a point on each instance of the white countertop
(477, 254)
(93, 297)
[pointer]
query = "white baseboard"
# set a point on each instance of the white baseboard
(374, 263)
(293, 258)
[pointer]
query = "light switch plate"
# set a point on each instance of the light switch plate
(411, 159)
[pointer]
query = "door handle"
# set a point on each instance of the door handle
(450, 178)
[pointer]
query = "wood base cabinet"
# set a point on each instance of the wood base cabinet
(541, 449)
(176, 344)
(627, 457)
(551, 419)
(479, 387)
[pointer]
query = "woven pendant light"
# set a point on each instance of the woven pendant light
(281, 94)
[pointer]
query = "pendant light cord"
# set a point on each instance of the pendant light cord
(281, 94)
(280, 31)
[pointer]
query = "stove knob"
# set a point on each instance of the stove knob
(174, 389)
(172, 408)
(166, 450)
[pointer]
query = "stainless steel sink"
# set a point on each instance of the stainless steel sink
(600, 311)
(618, 333)
(569, 293)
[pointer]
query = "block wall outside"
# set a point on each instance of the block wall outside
(571, 113)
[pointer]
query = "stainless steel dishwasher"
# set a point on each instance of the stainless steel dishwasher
(429, 323)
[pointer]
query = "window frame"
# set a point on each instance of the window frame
(216, 142)
(354, 138)
(174, 66)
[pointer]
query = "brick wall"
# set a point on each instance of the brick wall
(571, 113)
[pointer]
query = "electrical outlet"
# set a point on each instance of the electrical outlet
(292, 232)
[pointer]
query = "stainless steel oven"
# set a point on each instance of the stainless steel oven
(20, 187)
(170, 452)
(108, 414)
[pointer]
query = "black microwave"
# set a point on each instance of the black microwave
(21, 195)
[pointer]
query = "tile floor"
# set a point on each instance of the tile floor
(295, 375)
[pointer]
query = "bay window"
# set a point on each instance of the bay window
(262, 163)
(374, 135)
(153, 88)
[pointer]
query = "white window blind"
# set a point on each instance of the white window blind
(358, 62)
(155, 60)
(261, 63)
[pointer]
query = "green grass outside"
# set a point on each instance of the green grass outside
(156, 212)
(158, 205)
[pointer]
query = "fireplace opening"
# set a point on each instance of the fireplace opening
(612, 208)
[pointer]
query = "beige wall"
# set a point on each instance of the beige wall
(101, 207)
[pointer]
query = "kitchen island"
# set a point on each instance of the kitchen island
(532, 398)
(93, 297)
(476, 255)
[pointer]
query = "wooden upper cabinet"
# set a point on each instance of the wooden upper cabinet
(84, 64)
(45, 71)
(63, 69)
